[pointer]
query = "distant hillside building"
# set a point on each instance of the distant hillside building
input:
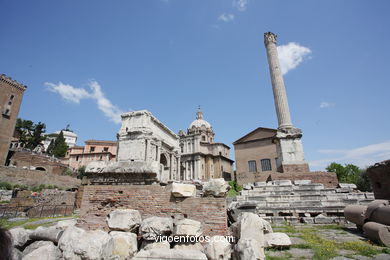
(11, 95)
(202, 158)
(69, 136)
(94, 150)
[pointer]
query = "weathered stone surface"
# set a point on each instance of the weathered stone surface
(46, 252)
(308, 220)
(249, 226)
(215, 187)
(124, 220)
(247, 186)
(218, 249)
(189, 246)
(267, 228)
(148, 245)
(351, 186)
(302, 182)
(68, 242)
(156, 226)
(124, 244)
(20, 236)
(16, 254)
(260, 184)
(66, 223)
(322, 219)
(47, 233)
(181, 190)
(282, 182)
(169, 254)
(188, 227)
(249, 249)
(277, 240)
(36, 245)
(93, 245)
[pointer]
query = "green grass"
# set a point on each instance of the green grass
(5, 223)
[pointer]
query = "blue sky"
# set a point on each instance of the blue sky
(84, 62)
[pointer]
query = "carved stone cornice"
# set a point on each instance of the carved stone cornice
(12, 82)
(269, 37)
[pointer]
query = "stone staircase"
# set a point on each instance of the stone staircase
(302, 201)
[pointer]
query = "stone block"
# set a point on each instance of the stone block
(282, 182)
(308, 220)
(278, 220)
(218, 249)
(169, 254)
(302, 182)
(153, 227)
(124, 220)
(188, 227)
(277, 240)
(181, 190)
(260, 184)
(216, 188)
(249, 249)
(351, 186)
(124, 244)
(322, 219)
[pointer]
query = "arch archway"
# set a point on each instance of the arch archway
(40, 169)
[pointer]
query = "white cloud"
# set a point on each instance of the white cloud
(226, 17)
(326, 104)
(240, 4)
(74, 95)
(291, 55)
(362, 156)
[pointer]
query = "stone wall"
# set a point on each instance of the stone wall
(46, 163)
(33, 177)
(328, 179)
(151, 200)
(379, 175)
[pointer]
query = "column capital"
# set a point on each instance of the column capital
(269, 37)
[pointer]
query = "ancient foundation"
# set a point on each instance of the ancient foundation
(281, 200)
(151, 200)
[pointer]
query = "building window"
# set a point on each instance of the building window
(105, 149)
(266, 165)
(203, 138)
(252, 166)
(92, 149)
(77, 158)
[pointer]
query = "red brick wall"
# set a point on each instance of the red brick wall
(151, 200)
(329, 179)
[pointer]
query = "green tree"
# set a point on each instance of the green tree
(81, 172)
(347, 174)
(350, 173)
(29, 133)
(50, 148)
(60, 147)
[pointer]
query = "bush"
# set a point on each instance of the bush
(68, 172)
(5, 186)
(234, 189)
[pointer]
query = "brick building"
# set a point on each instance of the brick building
(11, 95)
(255, 153)
(94, 150)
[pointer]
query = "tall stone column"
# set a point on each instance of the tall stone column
(279, 90)
(288, 138)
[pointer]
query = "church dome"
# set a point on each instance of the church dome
(199, 122)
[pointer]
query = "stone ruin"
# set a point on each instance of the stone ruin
(374, 219)
(132, 236)
(283, 201)
(148, 152)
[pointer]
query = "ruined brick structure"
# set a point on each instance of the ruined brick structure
(151, 200)
(11, 94)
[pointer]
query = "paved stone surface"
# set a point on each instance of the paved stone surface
(335, 233)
